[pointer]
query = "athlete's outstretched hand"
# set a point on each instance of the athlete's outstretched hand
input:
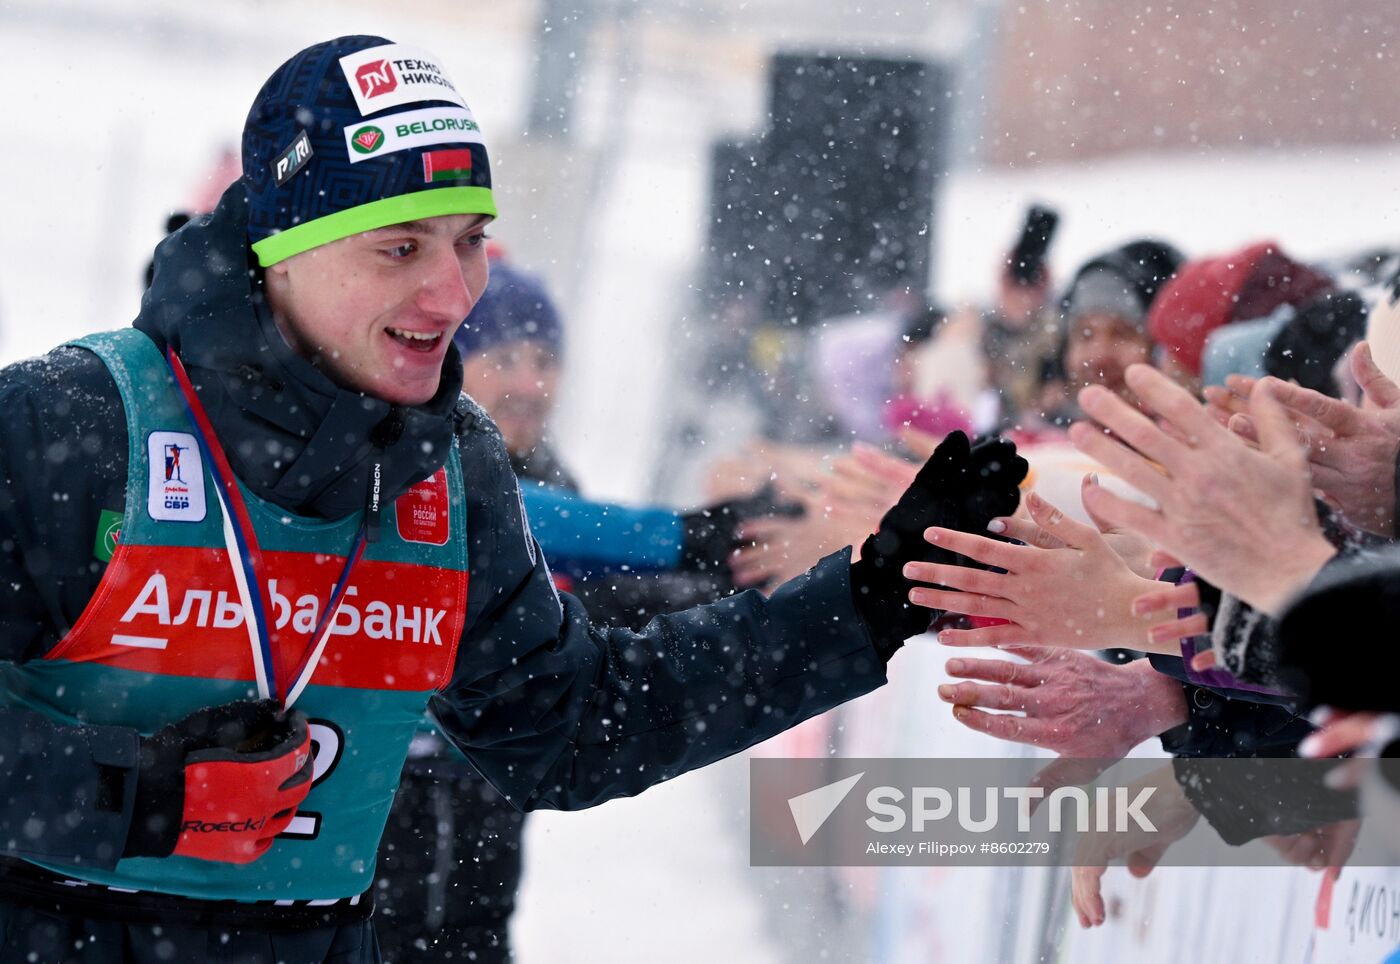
(963, 487)
(221, 783)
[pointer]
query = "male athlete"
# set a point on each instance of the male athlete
(202, 729)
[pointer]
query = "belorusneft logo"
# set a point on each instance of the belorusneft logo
(410, 128)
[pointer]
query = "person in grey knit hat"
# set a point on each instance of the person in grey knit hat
(1104, 312)
(1102, 289)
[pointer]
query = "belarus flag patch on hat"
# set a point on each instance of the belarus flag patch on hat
(448, 165)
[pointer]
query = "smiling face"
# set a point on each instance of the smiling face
(377, 310)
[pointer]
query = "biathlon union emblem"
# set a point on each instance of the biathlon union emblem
(176, 483)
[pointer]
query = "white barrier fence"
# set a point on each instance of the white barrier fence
(1007, 914)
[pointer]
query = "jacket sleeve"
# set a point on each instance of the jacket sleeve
(1337, 638)
(1175, 667)
(560, 714)
(1222, 724)
(586, 534)
(1247, 799)
(632, 599)
(68, 790)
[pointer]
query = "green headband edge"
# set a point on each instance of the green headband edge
(413, 206)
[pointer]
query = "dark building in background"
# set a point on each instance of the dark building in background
(830, 208)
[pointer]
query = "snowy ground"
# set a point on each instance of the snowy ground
(662, 876)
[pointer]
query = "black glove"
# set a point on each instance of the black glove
(221, 783)
(709, 533)
(960, 487)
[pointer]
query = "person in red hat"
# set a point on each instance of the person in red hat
(1212, 292)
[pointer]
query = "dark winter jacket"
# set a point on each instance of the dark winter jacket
(554, 712)
(542, 465)
(1230, 723)
(1246, 799)
(1336, 642)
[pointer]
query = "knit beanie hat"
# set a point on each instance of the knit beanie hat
(1211, 292)
(1241, 348)
(1308, 348)
(1121, 282)
(354, 134)
(1100, 290)
(514, 307)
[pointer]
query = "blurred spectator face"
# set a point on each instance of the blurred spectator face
(1099, 349)
(516, 382)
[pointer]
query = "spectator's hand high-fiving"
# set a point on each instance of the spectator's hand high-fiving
(1241, 517)
(1351, 451)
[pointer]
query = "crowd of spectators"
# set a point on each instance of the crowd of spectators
(1203, 539)
(1203, 552)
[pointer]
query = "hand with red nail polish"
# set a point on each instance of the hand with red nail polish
(1067, 588)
